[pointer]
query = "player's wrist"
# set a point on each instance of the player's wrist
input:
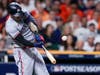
(38, 44)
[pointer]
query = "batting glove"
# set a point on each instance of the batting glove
(38, 44)
(39, 38)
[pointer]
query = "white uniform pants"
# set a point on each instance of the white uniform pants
(30, 62)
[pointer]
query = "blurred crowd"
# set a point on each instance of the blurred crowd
(78, 20)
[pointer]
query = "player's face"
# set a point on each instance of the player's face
(18, 18)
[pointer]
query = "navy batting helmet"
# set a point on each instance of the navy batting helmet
(14, 9)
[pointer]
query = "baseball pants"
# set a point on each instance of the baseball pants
(30, 62)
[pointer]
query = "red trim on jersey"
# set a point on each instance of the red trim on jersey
(20, 59)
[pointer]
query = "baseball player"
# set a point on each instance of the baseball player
(27, 57)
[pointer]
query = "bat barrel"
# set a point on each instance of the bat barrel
(50, 56)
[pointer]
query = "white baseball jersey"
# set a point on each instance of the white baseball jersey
(13, 29)
(29, 60)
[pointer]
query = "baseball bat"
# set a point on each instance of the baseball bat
(49, 55)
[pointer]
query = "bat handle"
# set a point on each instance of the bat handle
(44, 47)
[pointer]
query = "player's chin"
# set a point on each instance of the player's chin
(17, 18)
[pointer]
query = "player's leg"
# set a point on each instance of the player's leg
(24, 62)
(40, 67)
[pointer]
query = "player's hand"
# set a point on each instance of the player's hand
(39, 38)
(38, 44)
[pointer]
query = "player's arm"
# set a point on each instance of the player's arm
(33, 26)
(29, 20)
(20, 39)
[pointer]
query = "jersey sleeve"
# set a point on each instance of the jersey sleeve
(12, 30)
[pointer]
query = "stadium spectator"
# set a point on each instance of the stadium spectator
(90, 4)
(55, 7)
(98, 6)
(4, 3)
(75, 10)
(79, 45)
(57, 33)
(69, 44)
(47, 34)
(98, 9)
(81, 33)
(89, 44)
(66, 2)
(95, 19)
(51, 20)
(97, 47)
(92, 29)
(89, 12)
(75, 23)
(67, 30)
(68, 9)
(27, 5)
(48, 5)
(97, 39)
(81, 5)
(2, 44)
(65, 10)
(84, 22)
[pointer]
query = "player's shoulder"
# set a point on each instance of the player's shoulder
(10, 21)
(10, 24)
